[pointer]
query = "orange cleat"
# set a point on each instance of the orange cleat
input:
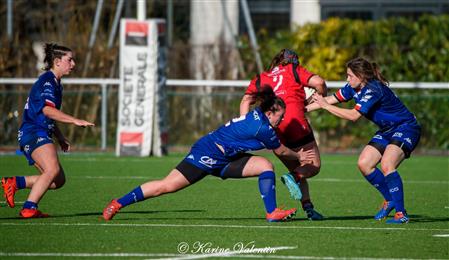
(9, 190)
(32, 213)
(280, 215)
(111, 209)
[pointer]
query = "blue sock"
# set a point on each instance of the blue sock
(29, 205)
(267, 188)
(377, 179)
(20, 182)
(394, 183)
(134, 196)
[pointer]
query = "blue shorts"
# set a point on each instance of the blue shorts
(406, 136)
(209, 159)
(30, 142)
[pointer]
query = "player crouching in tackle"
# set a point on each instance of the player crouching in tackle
(223, 153)
(398, 135)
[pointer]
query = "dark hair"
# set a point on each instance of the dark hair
(53, 51)
(284, 57)
(267, 100)
(366, 70)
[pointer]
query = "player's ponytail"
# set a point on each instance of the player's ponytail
(284, 57)
(267, 100)
(379, 75)
(366, 71)
(53, 51)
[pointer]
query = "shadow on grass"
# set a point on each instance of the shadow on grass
(426, 219)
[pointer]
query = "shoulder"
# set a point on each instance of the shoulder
(47, 79)
(374, 86)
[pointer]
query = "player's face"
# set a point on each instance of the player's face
(275, 118)
(66, 64)
(352, 79)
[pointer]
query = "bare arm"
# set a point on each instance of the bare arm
(245, 104)
(318, 84)
(65, 145)
(314, 106)
(302, 156)
(349, 114)
(60, 116)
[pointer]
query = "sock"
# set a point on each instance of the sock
(29, 205)
(134, 196)
(306, 204)
(394, 183)
(377, 179)
(267, 188)
(20, 182)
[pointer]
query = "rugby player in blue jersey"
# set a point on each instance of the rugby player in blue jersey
(41, 112)
(397, 137)
(223, 153)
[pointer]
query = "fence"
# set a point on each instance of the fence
(198, 112)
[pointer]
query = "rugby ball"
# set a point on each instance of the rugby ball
(309, 92)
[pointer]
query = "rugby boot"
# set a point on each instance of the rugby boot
(312, 214)
(399, 218)
(9, 190)
(293, 188)
(386, 208)
(32, 213)
(111, 209)
(280, 215)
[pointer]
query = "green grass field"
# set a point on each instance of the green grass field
(215, 218)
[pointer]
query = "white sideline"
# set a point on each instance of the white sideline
(171, 256)
(164, 225)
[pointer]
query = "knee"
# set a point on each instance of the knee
(387, 167)
(364, 166)
(165, 187)
(52, 172)
(265, 165)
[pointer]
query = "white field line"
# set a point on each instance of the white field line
(171, 256)
(221, 226)
(252, 179)
(441, 235)
(226, 254)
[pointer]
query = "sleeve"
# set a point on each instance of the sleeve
(367, 101)
(47, 94)
(304, 75)
(252, 87)
(267, 136)
(344, 94)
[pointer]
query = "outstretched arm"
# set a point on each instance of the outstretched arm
(314, 106)
(284, 151)
(60, 116)
(349, 114)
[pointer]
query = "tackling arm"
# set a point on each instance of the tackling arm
(314, 106)
(349, 114)
(245, 104)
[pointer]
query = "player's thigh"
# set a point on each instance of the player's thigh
(46, 158)
(256, 165)
(312, 146)
(368, 159)
(392, 158)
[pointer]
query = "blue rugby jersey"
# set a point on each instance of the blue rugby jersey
(377, 103)
(46, 91)
(250, 132)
